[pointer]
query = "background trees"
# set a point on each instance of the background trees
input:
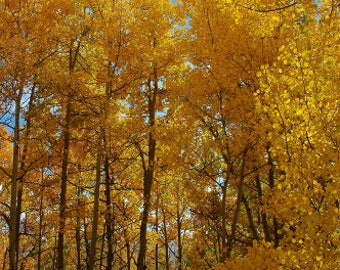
(169, 135)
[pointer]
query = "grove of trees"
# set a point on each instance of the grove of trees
(194, 134)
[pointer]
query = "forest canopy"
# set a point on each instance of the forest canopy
(196, 134)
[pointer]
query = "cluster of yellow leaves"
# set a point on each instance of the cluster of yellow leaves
(246, 90)
(299, 97)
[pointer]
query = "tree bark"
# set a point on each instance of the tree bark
(250, 218)
(14, 228)
(108, 219)
(73, 56)
(64, 177)
(263, 214)
(156, 229)
(271, 177)
(41, 216)
(179, 237)
(231, 238)
(223, 253)
(166, 242)
(77, 233)
(96, 205)
(148, 174)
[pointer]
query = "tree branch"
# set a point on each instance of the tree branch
(266, 10)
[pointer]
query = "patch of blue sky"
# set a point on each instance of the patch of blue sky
(162, 113)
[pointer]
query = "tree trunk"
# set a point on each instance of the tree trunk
(73, 55)
(223, 254)
(232, 235)
(64, 177)
(41, 213)
(250, 218)
(148, 174)
(271, 185)
(78, 236)
(156, 229)
(14, 228)
(128, 255)
(96, 205)
(20, 180)
(179, 238)
(108, 218)
(166, 242)
(263, 214)
(101, 255)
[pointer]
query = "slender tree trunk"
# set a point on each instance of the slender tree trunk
(86, 241)
(141, 264)
(64, 177)
(73, 55)
(179, 237)
(271, 185)
(263, 214)
(101, 256)
(108, 219)
(224, 223)
(18, 214)
(250, 218)
(218, 251)
(156, 228)
(108, 213)
(20, 180)
(128, 255)
(232, 235)
(14, 228)
(223, 252)
(96, 205)
(148, 174)
(166, 242)
(41, 216)
(78, 236)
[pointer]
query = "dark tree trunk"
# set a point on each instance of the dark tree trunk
(148, 173)
(41, 216)
(96, 205)
(271, 179)
(240, 195)
(13, 220)
(179, 237)
(78, 225)
(63, 188)
(263, 214)
(148, 177)
(166, 242)
(108, 219)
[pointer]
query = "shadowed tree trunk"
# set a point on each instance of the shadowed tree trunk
(166, 242)
(240, 195)
(108, 217)
(73, 56)
(148, 168)
(263, 214)
(96, 205)
(64, 171)
(179, 236)
(13, 224)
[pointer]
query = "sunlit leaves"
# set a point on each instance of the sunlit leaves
(233, 106)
